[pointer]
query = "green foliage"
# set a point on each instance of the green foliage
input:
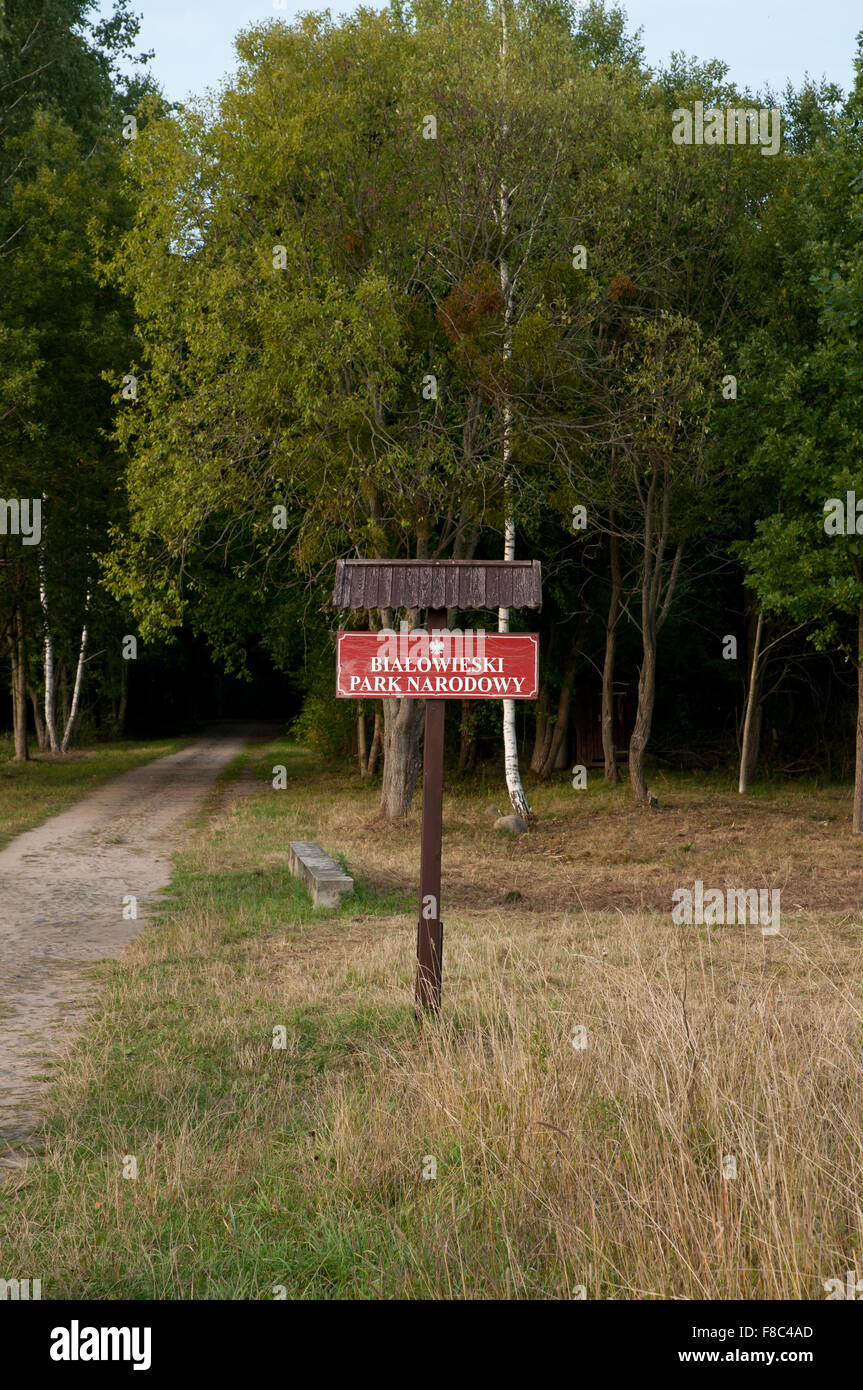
(804, 431)
(326, 724)
(300, 264)
(62, 329)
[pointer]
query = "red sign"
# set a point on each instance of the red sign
(441, 665)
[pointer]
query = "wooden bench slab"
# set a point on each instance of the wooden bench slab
(322, 876)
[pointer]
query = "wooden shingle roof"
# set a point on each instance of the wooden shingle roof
(437, 584)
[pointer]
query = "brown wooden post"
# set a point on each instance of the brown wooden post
(430, 926)
(436, 585)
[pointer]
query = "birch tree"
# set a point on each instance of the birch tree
(517, 797)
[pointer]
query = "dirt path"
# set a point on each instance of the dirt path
(61, 906)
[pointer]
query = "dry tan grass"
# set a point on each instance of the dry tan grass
(601, 1166)
(596, 850)
(606, 1164)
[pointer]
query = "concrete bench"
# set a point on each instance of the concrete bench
(321, 874)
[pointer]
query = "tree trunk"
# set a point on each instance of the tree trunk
(544, 727)
(79, 680)
(644, 716)
(608, 750)
(18, 660)
(124, 698)
(50, 715)
(403, 721)
(377, 743)
(752, 720)
(857, 822)
(517, 797)
(63, 682)
(563, 748)
(467, 738)
(654, 611)
(362, 742)
(558, 743)
(41, 732)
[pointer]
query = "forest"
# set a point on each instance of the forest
(448, 280)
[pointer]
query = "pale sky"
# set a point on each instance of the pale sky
(763, 43)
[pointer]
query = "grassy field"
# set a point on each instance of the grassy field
(481, 1154)
(31, 792)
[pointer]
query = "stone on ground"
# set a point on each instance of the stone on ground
(516, 825)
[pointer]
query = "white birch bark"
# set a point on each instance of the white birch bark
(79, 679)
(510, 741)
(751, 699)
(48, 663)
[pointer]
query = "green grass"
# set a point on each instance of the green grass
(173, 1060)
(31, 792)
